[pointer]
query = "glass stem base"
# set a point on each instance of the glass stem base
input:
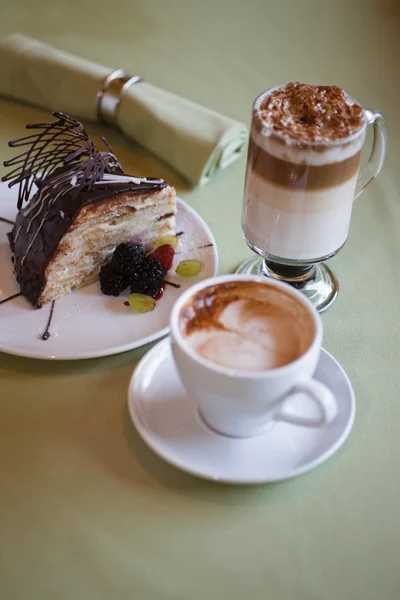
(316, 282)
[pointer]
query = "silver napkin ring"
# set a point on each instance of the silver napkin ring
(109, 97)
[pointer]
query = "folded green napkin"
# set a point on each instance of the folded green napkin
(193, 140)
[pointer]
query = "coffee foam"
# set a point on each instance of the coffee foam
(246, 326)
(337, 133)
(288, 150)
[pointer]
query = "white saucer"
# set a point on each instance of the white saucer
(168, 421)
(85, 323)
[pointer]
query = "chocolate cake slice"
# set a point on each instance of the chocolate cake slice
(75, 206)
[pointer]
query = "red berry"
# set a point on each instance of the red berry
(165, 254)
(159, 295)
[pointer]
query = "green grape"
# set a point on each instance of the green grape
(141, 303)
(188, 268)
(172, 240)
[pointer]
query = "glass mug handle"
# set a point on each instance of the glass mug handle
(378, 152)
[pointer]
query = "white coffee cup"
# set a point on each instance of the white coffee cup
(242, 403)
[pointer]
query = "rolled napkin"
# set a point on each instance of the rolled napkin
(195, 141)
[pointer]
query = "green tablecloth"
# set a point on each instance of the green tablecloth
(86, 510)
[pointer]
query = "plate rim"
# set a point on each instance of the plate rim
(148, 438)
(129, 346)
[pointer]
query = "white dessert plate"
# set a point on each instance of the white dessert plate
(85, 323)
(168, 421)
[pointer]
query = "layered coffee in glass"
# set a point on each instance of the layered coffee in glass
(301, 180)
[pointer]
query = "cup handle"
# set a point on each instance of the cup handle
(321, 396)
(378, 152)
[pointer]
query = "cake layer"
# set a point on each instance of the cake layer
(42, 230)
(92, 238)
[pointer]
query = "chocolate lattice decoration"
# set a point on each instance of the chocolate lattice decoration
(63, 143)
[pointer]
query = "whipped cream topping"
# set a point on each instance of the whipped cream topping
(310, 113)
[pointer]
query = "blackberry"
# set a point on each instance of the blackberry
(112, 283)
(128, 258)
(149, 279)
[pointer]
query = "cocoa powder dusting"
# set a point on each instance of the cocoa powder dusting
(311, 113)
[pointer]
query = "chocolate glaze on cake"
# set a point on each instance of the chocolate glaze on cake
(4, 220)
(54, 200)
(11, 298)
(30, 271)
(46, 334)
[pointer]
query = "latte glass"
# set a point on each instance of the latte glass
(298, 201)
